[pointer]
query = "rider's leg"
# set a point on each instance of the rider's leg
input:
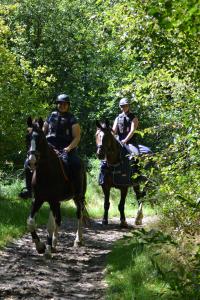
(27, 190)
(74, 170)
(76, 174)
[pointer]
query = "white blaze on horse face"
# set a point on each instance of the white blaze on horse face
(99, 142)
(99, 137)
(32, 158)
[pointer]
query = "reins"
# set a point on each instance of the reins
(63, 171)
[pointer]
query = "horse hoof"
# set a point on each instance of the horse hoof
(138, 222)
(48, 255)
(104, 222)
(139, 217)
(123, 224)
(78, 244)
(53, 250)
(41, 248)
(48, 252)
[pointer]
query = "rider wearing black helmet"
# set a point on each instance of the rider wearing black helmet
(61, 127)
(62, 131)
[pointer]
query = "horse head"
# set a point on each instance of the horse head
(107, 146)
(35, 141)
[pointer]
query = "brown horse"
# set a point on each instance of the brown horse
(50, 184)
(109, 149)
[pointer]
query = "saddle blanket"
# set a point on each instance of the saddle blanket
(121, 174)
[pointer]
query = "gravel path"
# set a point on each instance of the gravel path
(71, 274)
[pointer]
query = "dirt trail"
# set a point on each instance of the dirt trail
(71, 274)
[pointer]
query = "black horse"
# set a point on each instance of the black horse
(50, 184)
(110, 150)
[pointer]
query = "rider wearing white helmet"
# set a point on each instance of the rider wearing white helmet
(125, 123)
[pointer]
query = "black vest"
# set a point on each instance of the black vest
(124, 126)
(60, 129)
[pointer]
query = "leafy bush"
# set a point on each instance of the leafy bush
(151, 265)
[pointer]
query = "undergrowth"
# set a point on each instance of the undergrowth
(148, 264)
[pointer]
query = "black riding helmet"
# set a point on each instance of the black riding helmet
(62, 98)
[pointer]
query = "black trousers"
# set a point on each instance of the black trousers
(74, 169)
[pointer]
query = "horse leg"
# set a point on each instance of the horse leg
(106, 192)
(139, 195)
(79, 234)
(53, 225)
(121, 205)
(57, 226)
(31, 226)
(50, 229)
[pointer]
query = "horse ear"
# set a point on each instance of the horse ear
(98, 124)
(29, 121)
(40, 122)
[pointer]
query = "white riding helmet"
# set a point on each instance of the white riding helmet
(123, 101)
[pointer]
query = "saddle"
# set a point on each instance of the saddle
(121, 173)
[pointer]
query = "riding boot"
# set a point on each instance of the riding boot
(26, 192)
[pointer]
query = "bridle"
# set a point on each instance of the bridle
(99, 144)
(105, 149)
(33, 154)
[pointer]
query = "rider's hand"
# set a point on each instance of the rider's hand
(123, 141)
(67, 149)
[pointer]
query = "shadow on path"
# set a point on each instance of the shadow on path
(71, 274)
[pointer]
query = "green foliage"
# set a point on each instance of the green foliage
(18, 95)
(150, 265)
(99, 51)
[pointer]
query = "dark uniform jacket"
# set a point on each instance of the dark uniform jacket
(60, 129)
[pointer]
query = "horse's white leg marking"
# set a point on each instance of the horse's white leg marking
(51, 226)
(139, 216)
(55, 237)
(79, 234)
(31, 226)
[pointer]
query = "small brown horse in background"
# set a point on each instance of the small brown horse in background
(110, 149)
(50, 184)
